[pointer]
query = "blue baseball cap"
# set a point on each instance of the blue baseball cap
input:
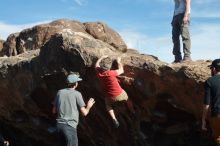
(73, 78)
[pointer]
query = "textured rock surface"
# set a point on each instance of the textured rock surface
(1, 45)
(9, 47)
(34, 38)
(167, 97)
(102, 32)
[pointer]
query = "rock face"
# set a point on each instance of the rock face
(9, 47)
(102, 32)
(167, 97)
(1, 44)
(34, 38)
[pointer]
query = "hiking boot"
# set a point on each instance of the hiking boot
(186, 59)
(178, 59)
(116, 123)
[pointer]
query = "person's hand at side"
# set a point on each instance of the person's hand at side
(90, 103)
(185, 20)
(6, 143)
(204, 115)
(204, 128)
(85, 110)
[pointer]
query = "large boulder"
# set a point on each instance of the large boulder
(167, 97)
(102, 32)
(9, 46)
(34, 38)
(1, 45)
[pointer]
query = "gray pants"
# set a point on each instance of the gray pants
(67, 135)
(183, 30)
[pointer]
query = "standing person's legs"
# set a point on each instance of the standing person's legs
(176, 40)
(186, 42)
(67, 135)
(71, 136)
(60, 135)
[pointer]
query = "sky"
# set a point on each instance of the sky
(144, 25)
